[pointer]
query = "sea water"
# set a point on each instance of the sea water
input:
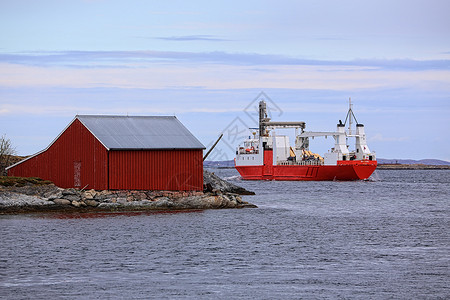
(385, 238)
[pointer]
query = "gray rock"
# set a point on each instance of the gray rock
(122, 200)
(109, 200)
(90, 194)
(164, 202)
(92, 203)
(61, 201)
(108, 205)
(12, 199)
(70, 191)
(49, 191)
(72, 197)
(102, 195)
(122, 194)
(214, 184)
(140, 204)
(76, 203)
(140, 196)
(54, 195)
(43, 191)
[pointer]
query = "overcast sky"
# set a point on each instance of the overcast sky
(207, 61)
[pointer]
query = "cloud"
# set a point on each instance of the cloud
(86, 108)
(108, 59)
(164, 75)
(331, 38)
(185, 38)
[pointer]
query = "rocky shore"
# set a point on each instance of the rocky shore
(32, 197)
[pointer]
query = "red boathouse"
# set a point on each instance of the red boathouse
(120, 152)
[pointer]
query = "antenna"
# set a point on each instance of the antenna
(350, 112)
(350, 116)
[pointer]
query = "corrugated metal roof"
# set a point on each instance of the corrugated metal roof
(140, 132)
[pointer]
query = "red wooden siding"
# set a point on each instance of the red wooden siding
(75, 159)
(156, 170)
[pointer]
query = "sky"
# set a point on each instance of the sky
(210, 62)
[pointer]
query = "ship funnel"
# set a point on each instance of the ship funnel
(360, 129)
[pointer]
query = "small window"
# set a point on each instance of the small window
(344, 157)
(370, 157)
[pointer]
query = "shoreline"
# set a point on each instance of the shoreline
(391, 167)
(412, 167)
(16, 203)
(42, 196)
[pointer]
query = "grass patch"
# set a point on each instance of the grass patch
(22, 181)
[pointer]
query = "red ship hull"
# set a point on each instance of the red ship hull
(343, 171)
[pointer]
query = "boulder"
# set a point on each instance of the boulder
(140, 204)
(54, 195)
(90, 194)
(164, 203)
(13, 199)
(70, 191)
(141, 196)
(102, 195)
(76, 203)
(71, 197)
(49, 191)
(108, 205)
(122, 194)
(214, 184)
(91, 203)
(122, 200)
(61, 201)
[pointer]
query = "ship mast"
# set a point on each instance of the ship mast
(350, 116)
(350, 112)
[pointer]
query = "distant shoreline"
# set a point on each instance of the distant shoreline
(379, 167)
(412, 167)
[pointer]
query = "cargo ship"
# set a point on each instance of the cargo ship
(269, 156)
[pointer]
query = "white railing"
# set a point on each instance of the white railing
(300, 163)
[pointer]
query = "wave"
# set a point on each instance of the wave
(374, 177)
(234, 177)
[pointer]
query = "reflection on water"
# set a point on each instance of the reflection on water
(96, 215)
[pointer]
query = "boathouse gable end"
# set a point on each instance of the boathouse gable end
(74, 159)
(117, 152)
